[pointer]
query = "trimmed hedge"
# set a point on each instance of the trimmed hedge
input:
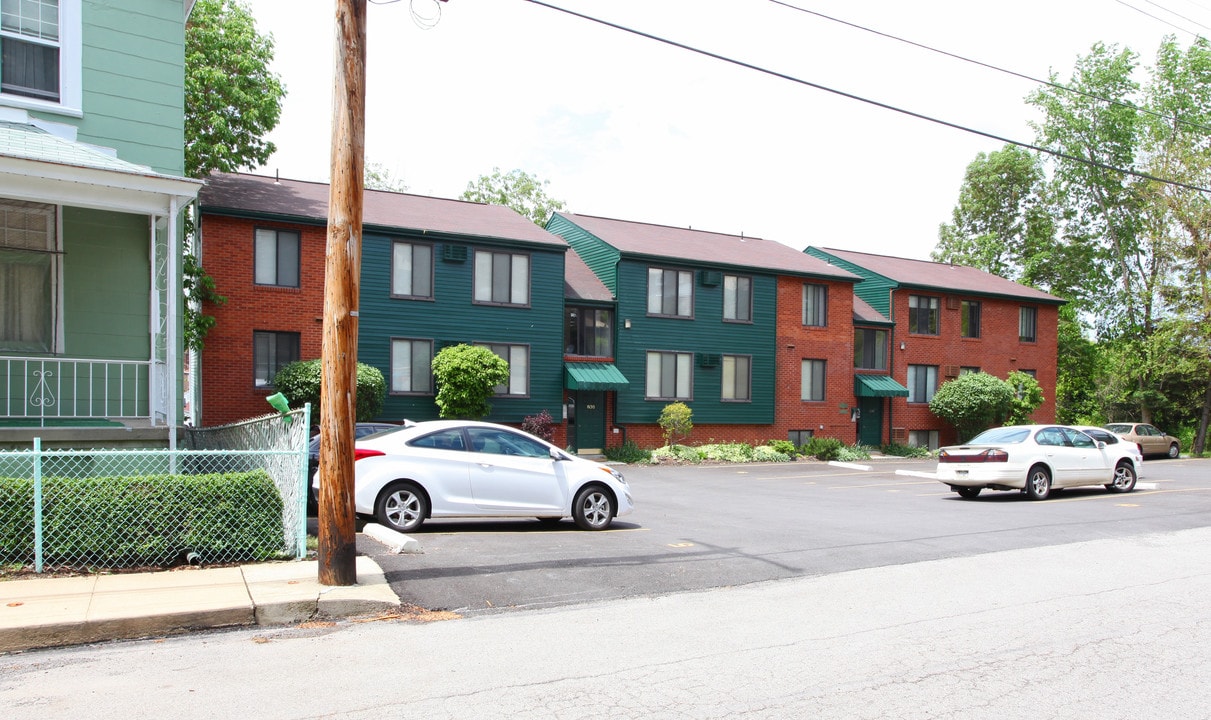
(137, 521)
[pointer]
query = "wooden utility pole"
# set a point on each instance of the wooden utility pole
(342, 268)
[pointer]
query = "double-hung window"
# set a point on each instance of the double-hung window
(870, 349)
(737, 298)
(969, 313)
(669, 376)
(922, 315)
(1027, 320)
(518, 357)
(811, 381)
(412, 270)
(271, 351)
(411, 366)
(502, 278)
(670, 292)
(40, 52)
(815, 305)
(29, 271)
(737, 378)
(277, 258)
(922, 383)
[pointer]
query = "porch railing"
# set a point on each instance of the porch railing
(52, 388)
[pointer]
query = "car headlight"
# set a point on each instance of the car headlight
(617, 475)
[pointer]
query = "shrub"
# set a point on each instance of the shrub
(727, 452)
(822, 448)
(784, 447)
(770, 453)
(676, 421)
(629, 452)
(300, 382)
(972, 403)
(540, 425)
(677, 453)
(467, 376)
(850, 453)
(152, 520)
(908, 451)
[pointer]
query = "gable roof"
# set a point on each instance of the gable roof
(703, 247)
(865, 314)
(308, 201)
(581, 283)
(941, 276)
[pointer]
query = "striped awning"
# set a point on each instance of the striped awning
(878, 386)
(593, 376)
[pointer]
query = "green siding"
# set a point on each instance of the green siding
(451, 317)
(705, 333)
(106, 285)
(601, 258)
(874, 288)
(133, 81)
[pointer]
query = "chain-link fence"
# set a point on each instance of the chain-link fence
(236, 493)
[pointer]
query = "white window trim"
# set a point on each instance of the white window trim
(71, 70)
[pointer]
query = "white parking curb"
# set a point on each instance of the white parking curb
(852, 466)
(396, 542)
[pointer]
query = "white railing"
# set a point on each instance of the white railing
(45, 388)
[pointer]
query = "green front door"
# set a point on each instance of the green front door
(870, 421)
(590, 422)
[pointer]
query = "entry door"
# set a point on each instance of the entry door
(870, 422)
(590, 422)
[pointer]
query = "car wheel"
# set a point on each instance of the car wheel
(1038, 483)
(1124, 478)
(402, 507)
(1174, 451)
(968, 492)
(593, 508)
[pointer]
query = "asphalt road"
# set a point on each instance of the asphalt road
(701, 527)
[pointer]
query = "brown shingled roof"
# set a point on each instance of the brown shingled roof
(580, 283)
(241, 192)
(941, 276)
(863, 312)
(700, 246)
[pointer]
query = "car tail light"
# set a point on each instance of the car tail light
(1140, 447)
(359, 453)
(994, 455)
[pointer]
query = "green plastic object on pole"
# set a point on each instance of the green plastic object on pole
(279, 403)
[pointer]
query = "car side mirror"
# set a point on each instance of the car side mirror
(1101, 444)
(557, 455)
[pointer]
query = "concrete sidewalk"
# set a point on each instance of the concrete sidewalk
(49, 612)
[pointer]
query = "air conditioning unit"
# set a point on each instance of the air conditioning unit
(708, 360)
(709, 278)
(454, 253)
(952, 302)
(951, 370)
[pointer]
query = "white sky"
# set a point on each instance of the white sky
(629, 128)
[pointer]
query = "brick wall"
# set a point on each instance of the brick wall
(227, 389)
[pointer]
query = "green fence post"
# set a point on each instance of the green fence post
(37, 505)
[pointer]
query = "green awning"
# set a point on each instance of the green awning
(878, 386)
(593, 376)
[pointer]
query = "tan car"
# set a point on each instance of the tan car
(1150, 440)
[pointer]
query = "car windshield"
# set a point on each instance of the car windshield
(1000, 435)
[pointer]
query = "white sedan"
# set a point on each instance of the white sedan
(460, 469)
(1034, 459)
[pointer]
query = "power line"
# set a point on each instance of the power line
(1141, 11)
(1022, 76)
(868, 101)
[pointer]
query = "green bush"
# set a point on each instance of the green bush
(677, 453)
(676, 419)
(822, 448)
(908, 451)
(785, 447)
(629, 452)
(300, 382)
(769, 453)
(466, 377)
(850, 453)
(135, 521)
(727, 452)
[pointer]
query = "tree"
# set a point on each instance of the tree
(232, 101)
(516, 189)
(467, 376)
(379, 177)
(972, 403)
(1027, 397)
(300, 382)
(676, 421)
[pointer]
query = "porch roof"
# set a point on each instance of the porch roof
(878, 386)
(39, 166)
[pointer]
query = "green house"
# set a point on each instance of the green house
(91, 157)
(698, 317)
